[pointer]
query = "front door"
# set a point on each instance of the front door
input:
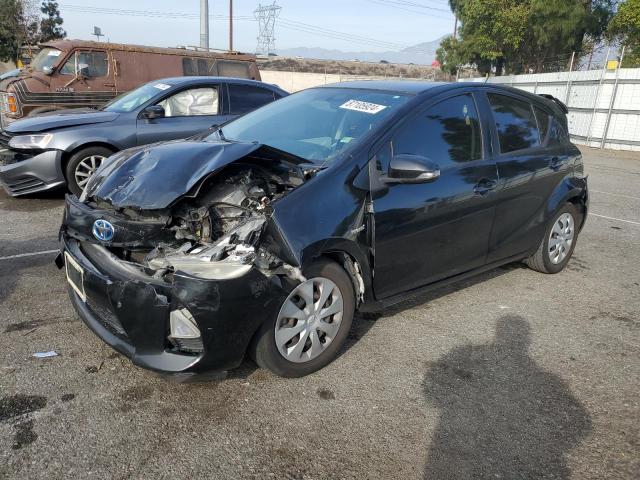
(431, 231)
(187, 112)
(85, 79)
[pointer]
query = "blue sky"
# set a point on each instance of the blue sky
(408, 23)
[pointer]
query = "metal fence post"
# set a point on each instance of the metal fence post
(613, 100)
(595, 103)
(566, 99)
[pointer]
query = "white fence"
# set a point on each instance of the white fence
(604, 106)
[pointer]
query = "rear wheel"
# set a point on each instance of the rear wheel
(559, 241)
(311, 325)
(82, 165)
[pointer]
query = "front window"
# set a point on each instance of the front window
(47, 57)
(191, 102)
(316, 124)
(128, 102)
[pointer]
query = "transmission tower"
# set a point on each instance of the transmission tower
(266, 16)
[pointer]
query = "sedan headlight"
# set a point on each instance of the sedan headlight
(29, 142)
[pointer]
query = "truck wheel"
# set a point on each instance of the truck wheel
(311, 326)
(82, 165)
(558, 243)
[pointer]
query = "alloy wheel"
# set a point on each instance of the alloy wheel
(561, 238)
(86, 168)
(309, 320)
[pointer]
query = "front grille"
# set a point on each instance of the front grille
(4, 102)
(107, 318)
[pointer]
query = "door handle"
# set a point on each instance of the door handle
(555, 163)
(484, 186)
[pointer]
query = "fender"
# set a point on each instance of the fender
(571, 189)
(117, 146)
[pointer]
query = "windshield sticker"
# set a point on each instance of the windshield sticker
(53, 53)
(161, 86)
(364, 107)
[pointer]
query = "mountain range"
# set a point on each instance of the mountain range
(420, 54)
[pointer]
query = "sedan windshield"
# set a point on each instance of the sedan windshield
(315, 124)
(47, 57)
(129, 101)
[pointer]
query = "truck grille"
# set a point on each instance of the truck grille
(4, 102)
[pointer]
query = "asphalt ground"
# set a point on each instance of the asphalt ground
(512, 375)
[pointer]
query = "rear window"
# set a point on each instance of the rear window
(228, 68)
(244, 98)
(515, 123)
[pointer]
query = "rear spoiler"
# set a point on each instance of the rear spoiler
(562, 106)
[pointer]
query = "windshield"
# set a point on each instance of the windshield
(47, 57)
(315, 124)
(128, 102)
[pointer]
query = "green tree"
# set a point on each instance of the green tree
(14, 30)
(51, 24)
(625, 28)
(525, 35)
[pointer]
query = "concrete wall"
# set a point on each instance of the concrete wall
(604, 106)
(295, 81)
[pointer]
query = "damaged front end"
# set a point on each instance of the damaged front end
(181, 282)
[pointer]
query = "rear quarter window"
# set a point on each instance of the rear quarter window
(515, 123)
(228, 68)
(244, 98)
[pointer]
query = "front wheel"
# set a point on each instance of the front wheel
(311, 326)
(82, 165)
(559, 241)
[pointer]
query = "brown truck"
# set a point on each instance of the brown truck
(76, 73)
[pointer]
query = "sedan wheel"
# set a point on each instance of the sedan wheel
(309, 320)
(86, 168)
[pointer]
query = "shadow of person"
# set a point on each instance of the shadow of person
(501, 415)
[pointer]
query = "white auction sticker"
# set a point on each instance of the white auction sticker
(53, 53)
(161, 86)
(364, 107)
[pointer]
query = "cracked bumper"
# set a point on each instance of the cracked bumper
(130, 311)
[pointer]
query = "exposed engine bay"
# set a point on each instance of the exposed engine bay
(214, 233)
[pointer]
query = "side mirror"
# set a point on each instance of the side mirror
(411, 169)
(47, 70)
(83, 70)
(153, 111)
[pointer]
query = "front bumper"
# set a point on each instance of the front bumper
(129, 310)
(21, 174)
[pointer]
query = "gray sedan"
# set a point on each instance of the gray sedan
(66, 147)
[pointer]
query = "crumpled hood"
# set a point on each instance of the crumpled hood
(154, 176)
(61, 119)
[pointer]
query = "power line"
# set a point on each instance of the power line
(284, 23)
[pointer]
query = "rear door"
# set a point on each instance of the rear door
(430, 231)
(530, 166)
(187, 112)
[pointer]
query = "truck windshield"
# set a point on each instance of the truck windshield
(47, 57)
(316, 124)
(128, 102)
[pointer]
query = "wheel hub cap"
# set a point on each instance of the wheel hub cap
(309, 320)
(86, 168)
(561, 238)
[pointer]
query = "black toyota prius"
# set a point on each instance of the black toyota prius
(266, 236)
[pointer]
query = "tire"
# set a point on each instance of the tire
(548, 260)
(265, 350)
(74, 169)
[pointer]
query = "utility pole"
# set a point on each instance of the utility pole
(231, 25)
(204, 24)
(455, 27)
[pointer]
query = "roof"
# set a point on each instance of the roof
(207, 79)
(68, 44)
(401, 86)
